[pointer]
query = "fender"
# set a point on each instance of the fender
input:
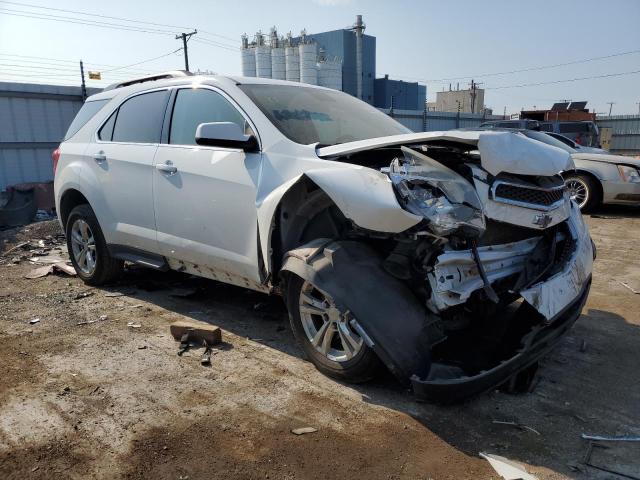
(396, 324)
(364, 196)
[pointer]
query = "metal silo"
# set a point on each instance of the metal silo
(292, 60)
(278, 68)
(248, 56)
(308, 59)
(330, 73)
(263, 57)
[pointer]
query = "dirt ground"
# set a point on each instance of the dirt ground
(105, 400)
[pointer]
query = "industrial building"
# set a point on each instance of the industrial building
(342, 59)
(465, 101)
(399, 94)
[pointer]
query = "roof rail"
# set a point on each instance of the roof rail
(150, 78)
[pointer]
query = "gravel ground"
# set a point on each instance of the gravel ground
(104, 400)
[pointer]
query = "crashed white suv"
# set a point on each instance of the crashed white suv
(456, 259)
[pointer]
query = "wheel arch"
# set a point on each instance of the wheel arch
(70, 199)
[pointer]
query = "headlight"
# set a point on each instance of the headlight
(447, 201)
(629, 174)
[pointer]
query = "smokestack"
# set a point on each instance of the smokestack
(359, 29)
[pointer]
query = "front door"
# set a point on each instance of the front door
(205, 196)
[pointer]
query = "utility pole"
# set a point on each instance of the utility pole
(611, 104)
(474, 93)
(84, 87)
(185, 37)
(638, 103)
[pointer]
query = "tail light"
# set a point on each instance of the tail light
(55, 156)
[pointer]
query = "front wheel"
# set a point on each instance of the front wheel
(583, 191)
(327, 335)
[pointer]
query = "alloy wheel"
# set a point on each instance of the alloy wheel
(578, 191)
(330, 331)
(83, 246)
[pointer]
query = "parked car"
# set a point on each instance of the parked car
(456, 271)
(599, 177)
(584, 133)
(570, 143)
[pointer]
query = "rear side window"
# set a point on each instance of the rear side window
(195, 106)
(106, 132)
(574, 127)
(139, 119)
(86, 113)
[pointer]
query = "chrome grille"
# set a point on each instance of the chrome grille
(526, 196)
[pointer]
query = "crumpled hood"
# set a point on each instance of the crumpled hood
(509, 152)
(515, 153)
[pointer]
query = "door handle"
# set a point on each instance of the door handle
(167, 167)
(99, 157)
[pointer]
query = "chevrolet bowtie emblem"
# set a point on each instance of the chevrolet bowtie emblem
(542, 220)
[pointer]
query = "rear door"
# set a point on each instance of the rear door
(122, 159)
(206, 203)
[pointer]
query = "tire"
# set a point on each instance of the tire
(97, 267)
(584, 191)
(358, 368)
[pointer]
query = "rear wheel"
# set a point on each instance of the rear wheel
(87, 248)
(327, 335)
(583, 190)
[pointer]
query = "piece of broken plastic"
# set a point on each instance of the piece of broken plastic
(506, 468)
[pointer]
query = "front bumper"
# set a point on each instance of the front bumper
(557, 302)
(625, 193)
(535, 345)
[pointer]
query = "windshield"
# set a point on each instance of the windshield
(312, 115)
(548, 139)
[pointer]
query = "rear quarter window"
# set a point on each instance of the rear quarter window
(86, 113)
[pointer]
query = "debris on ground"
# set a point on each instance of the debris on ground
(101, 318)
(52, 268)
(33, 321)
(198, 332)
(303, 430)
(506, 468)
(626, 285)
(133, 325)
(517, 425)
(598, 438)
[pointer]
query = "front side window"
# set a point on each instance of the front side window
(139, 119)
(200, 105)
(309, 115)
(86, 113)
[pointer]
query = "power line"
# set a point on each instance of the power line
(93, 23)
(77, 12)
(143, 61)
(88, 14)
(564, 81)
(529, 69)
(214, 44)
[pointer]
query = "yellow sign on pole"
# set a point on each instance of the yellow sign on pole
(95, 76)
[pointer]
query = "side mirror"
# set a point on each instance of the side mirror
(225, 134)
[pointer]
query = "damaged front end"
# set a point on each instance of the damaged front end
(491, 278)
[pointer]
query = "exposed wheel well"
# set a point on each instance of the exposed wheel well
(305, 212)
(70, 199)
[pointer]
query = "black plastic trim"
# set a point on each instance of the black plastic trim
(138, 256)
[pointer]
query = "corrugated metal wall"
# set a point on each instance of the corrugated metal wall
(421, 121)
(625, 139)
(33, 121)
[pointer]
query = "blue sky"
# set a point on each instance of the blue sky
(426, 40)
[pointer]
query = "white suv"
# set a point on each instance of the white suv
(455, 258)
